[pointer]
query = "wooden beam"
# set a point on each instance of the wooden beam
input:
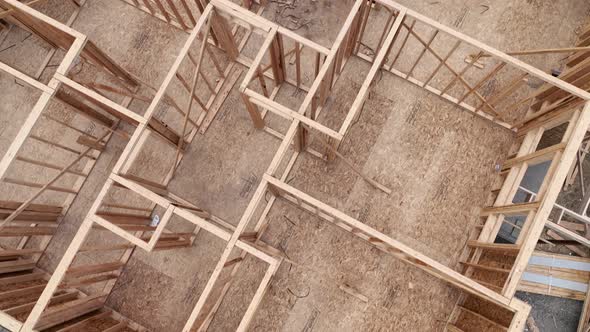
(22, 292)
(13, 205)
(508, 249)
(70, 311)
(91, 143)
(165, 131)
(30, 216)
(56, 299)
(486, 267)
(31, 276)
(15, 231)
(517, 208)
(79, 326)
(19, 253)
(83, 109)
(84, 270)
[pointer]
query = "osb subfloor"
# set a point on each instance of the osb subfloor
(438, 160)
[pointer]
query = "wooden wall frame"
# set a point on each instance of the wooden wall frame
(41, 220)
(218, 19)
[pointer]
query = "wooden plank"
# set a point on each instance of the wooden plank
(94, 53)
(9, 322)
(19, 253)
(21, 292)
(82, 324)
(549, 50)
(569, 75)
(156, 187)
(15, 231)
(120, 232)
(52, 31)
(481, 82)
(125, 207)
(83, 270)
(517, 208)
(532, 287)
(70, 311)
(83, 109)
(562, 273)
(13, 205)
(91, 143)
(567, 233)
(20, 278)
(512, 249)
(30, 216)
(222, 32)
(107, 248)
(125, 218)
(141, 190)
(277, 60)
(165, 131)
(56, 299)
(349, 290)
(131, 228)
(79, 282)
(486, 267)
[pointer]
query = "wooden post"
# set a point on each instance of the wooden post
(253, 111)
(223, 34)
(277, 60)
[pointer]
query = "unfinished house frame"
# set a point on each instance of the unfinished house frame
(92, 100)
(91, 119)
(126, 207)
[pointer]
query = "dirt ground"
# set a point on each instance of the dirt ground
(438, 160)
